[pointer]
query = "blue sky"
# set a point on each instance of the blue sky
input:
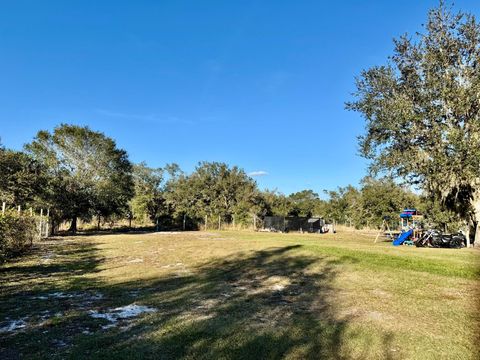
(259, 84)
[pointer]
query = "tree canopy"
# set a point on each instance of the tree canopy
(88, 174)
(214, 189)
(21, 177)
(148, 201)
(422, 111)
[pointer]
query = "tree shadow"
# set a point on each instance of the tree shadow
(34, 287)
(71, 259)
(269, 304)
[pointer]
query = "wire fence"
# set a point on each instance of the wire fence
(41, 217)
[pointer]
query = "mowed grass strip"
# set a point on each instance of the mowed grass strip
(241, 295)
(360, 250)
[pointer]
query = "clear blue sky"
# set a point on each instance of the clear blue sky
(259, 84)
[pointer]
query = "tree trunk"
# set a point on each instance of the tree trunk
(53, 227)
(475, 231)
(98, 222)
(73, 226)
(476, 234)
(475, 224)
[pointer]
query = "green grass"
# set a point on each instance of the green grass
(241, 295)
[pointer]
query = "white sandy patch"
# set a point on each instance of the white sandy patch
(47, 258)
(13, 325)
(276, 283)
(173, 265)
(55, 295)
(120, 313)
(138, 260)
(165, 233)
(62, 295)
(278, 287)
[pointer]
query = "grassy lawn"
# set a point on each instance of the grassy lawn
(240, 295)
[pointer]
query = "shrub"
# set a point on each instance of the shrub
(17, 233)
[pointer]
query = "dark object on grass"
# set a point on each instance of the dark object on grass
(293, 223)
(434, 238)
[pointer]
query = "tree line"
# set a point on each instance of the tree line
(79, 173)
(422, 115)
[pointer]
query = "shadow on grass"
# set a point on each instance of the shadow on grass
(267, 304)
(58, 260)
(270, 304)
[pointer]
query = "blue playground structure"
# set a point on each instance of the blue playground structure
(409, 230)
(402, 237)
(410, 218)
(411, 224)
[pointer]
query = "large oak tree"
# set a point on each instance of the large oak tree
(422, 112)
(88, 174)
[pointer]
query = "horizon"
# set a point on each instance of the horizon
(259, 86)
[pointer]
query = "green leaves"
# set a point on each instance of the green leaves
(149, 200)
(214, 189)
(422, 111)
(88, 174)
(21, 178)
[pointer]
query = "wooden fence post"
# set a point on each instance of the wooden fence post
(47, 223)
(40, 224)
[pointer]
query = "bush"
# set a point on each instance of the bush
(17, 233)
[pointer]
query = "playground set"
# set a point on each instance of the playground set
(413, 232)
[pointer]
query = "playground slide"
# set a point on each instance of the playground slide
(402, 237)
